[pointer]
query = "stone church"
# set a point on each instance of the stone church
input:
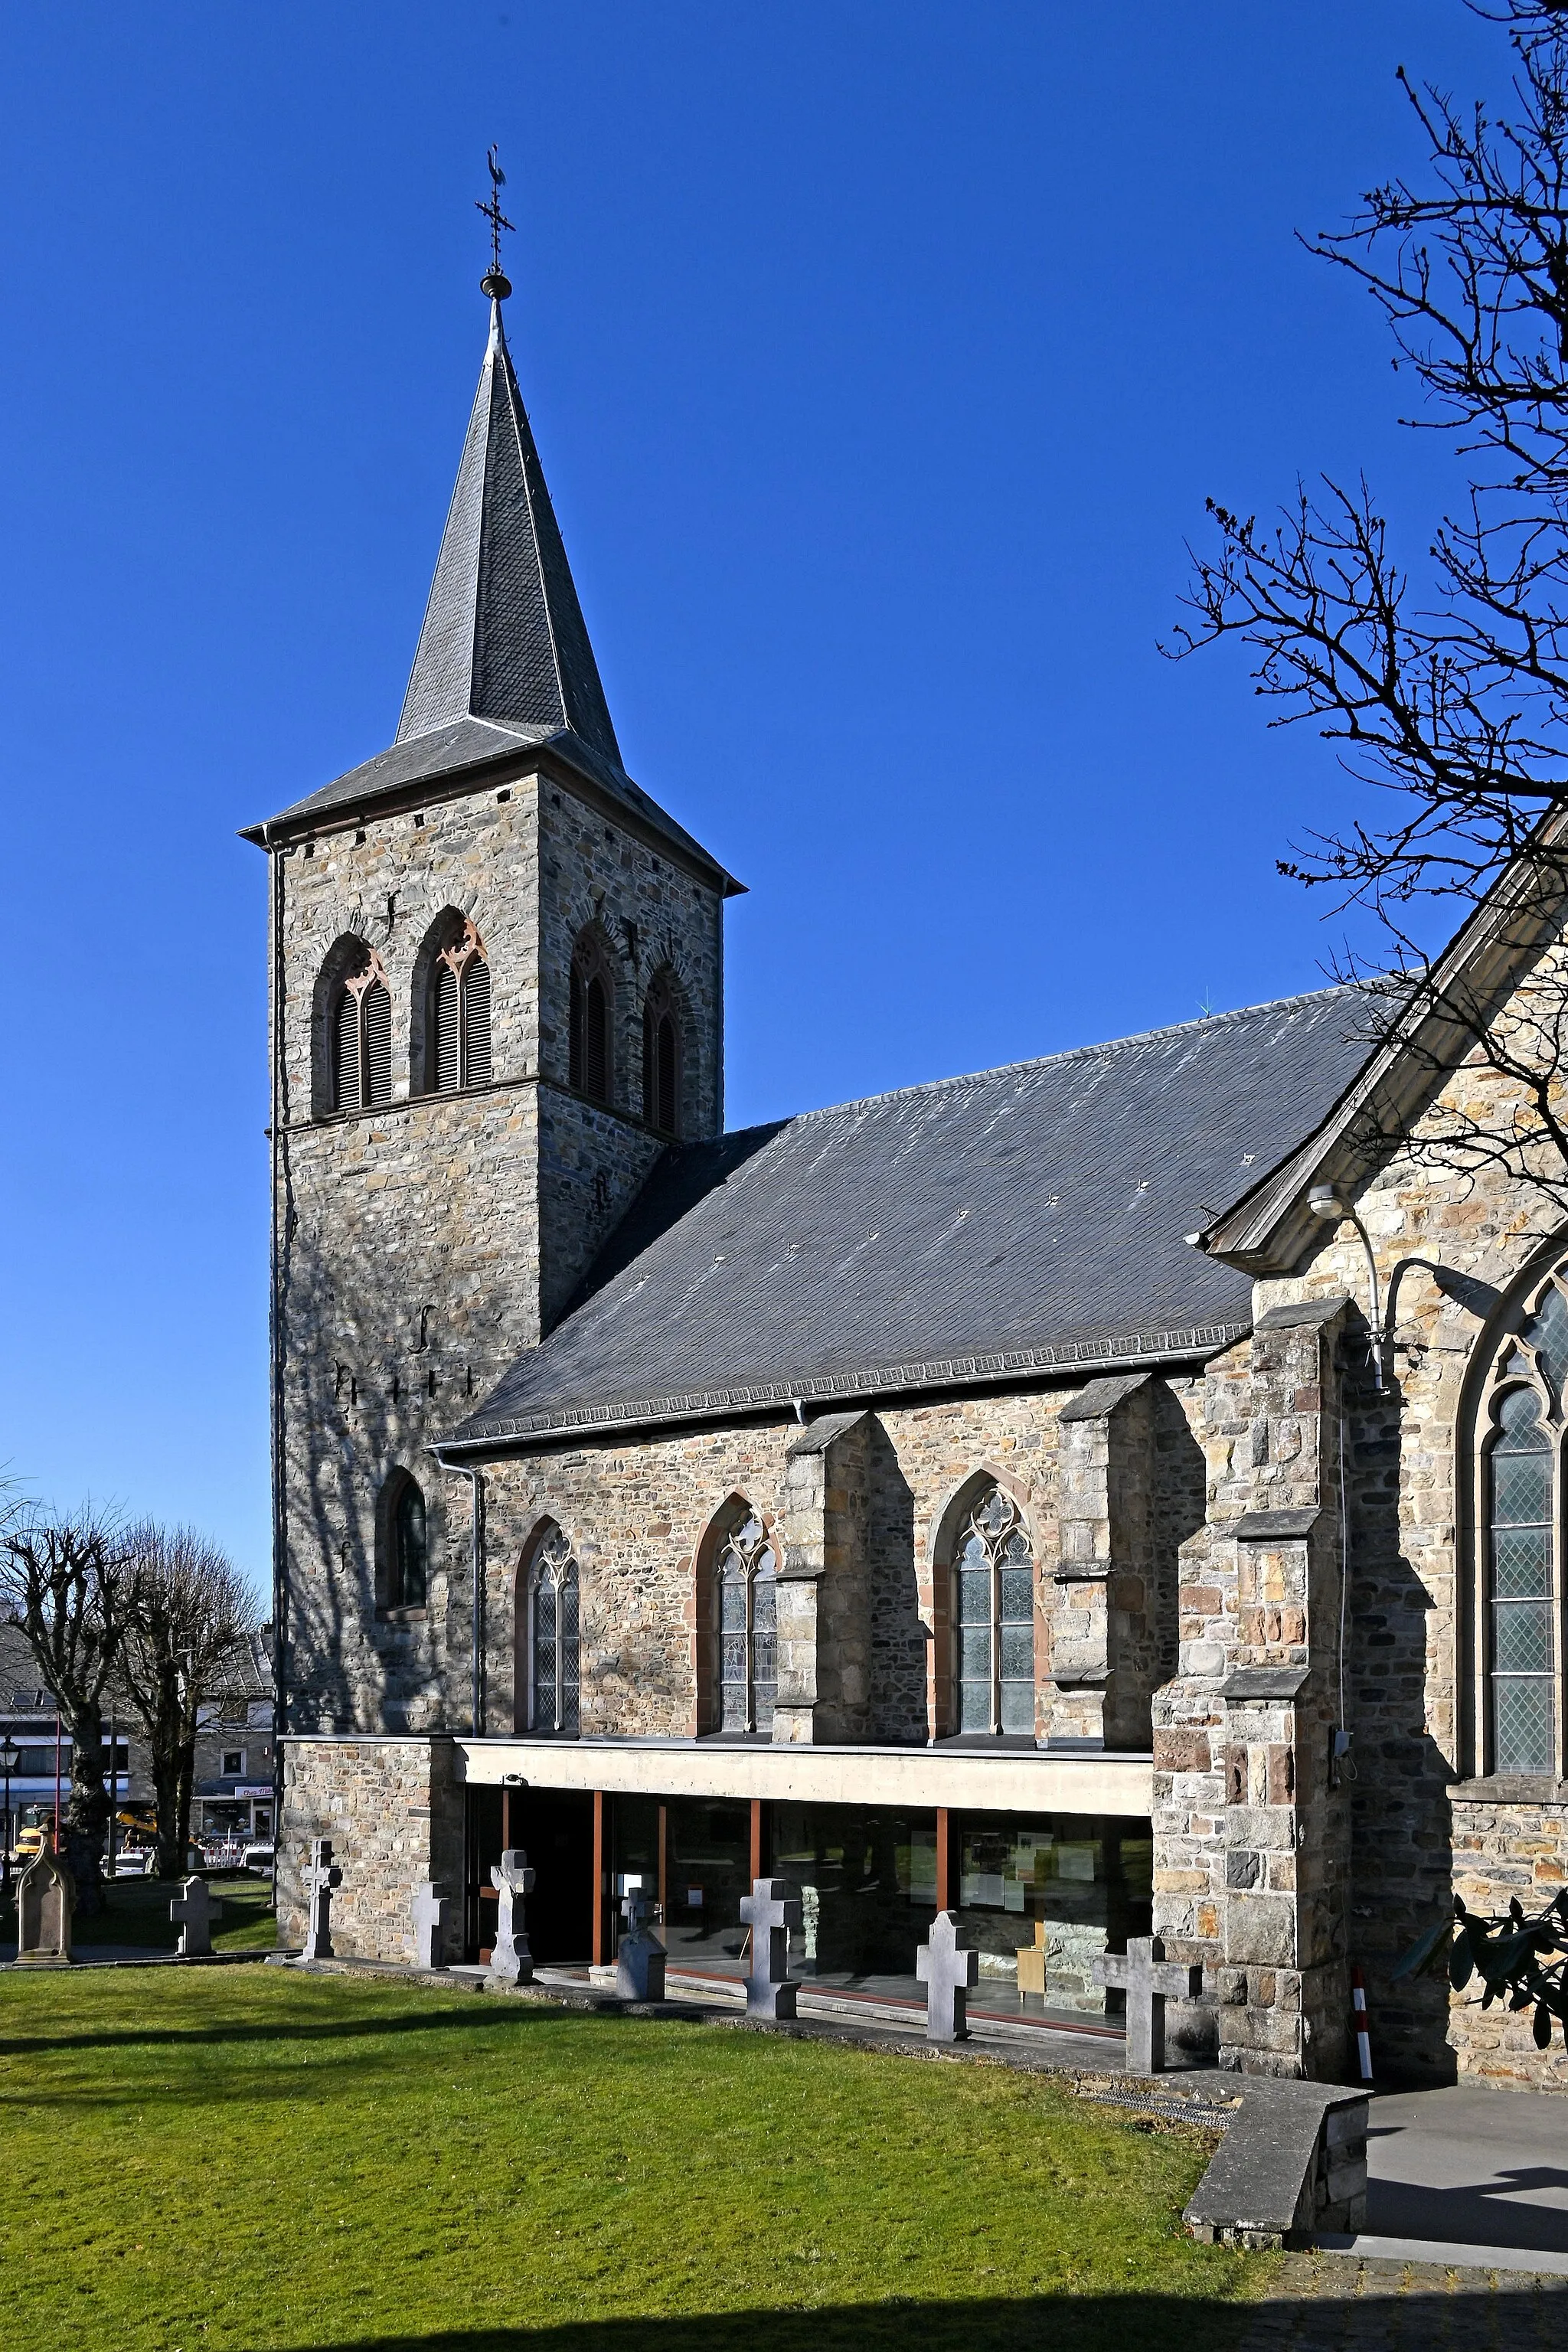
(995, 1496)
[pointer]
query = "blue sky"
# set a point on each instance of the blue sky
(880, 358)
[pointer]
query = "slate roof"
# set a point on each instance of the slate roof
(1021, 1221)
(504, 664)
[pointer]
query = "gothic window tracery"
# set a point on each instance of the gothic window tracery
(553, 1655)
(661, 1057)
(362, 1037)
(458, 1046)
(745, 1617)
(592, 997)
(992, 1579)
(1519, 1630)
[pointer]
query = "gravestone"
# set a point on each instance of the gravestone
(1149, 1980)
(45, 1898)
(770, 1909)
(430, 1909)
(193, 1911)
(639, 1957)
(320, 1880)
(511, 1962)
(950, 1972)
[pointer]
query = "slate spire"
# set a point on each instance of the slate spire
(504, 637)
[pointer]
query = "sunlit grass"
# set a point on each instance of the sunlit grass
(256, 2159)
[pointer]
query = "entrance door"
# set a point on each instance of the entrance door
(555, 1829)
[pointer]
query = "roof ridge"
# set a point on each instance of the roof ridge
(1073, 1053)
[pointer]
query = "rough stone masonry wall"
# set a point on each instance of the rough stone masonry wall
(1507, 1841)
(1411, 1630)
(393, 1811)
(638, 1513)
(426, 1243)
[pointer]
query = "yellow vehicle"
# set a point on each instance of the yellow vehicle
(28, 1844)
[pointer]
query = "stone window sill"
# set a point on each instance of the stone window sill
(1510, 1789)
(401, 1616)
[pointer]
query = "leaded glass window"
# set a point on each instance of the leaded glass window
(1522, 1602)
(745, 1615)
(993, 1619)
(553, 1648)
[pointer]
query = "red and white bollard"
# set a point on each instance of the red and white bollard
(1359, 2024)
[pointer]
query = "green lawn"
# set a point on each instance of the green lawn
(243, 2160)
(137, 1911)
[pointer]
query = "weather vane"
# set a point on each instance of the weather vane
(495, 283)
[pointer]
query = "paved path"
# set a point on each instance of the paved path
(1471, 2167)
(1332, 2302)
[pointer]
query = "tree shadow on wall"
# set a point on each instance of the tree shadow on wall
(1398, 1779)
(897, 1630)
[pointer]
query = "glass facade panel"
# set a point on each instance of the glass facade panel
(1070, 1884)
(706, 1871)
(868, 1882)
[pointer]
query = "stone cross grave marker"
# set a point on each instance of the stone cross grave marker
(639, 1957)
(950, 1972)
(1149, 1980)
(45, 1898)
(511, 1962)
(430, 1909)
(770, 1909)
(193, 1911)
(320, 1880)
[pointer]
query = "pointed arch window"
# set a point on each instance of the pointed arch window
(1520, 1648)
(552, 1641)
(993, 1578)
(661, 1057)
(592, 999)
(362, 1038)
(745, 1619)
(458, 1044)
(403, 1548)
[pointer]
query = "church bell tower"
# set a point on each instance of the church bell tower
(496, 1000)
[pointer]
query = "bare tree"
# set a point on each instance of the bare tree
(191, 1613)
(1446, 683)
(181, 1655)
(68, 1580)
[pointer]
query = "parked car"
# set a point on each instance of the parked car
(260, 1857)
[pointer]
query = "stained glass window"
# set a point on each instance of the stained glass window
(553, 1600)
(745, 1615)
(993, 1619)
(410, 1557)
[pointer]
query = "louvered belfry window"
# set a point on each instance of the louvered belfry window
(661, 1058)
(459, 1045)
(588, 1051)
(362, 1039)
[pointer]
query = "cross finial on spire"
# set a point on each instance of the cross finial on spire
(495, 283)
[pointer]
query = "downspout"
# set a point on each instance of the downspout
(280, 1242)
(476, 1478)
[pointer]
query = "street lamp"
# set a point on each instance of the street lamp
(10, 1757)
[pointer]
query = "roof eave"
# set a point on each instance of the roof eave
(507, 765)
(1270, 1229)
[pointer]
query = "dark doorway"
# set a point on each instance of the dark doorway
(555, 1829)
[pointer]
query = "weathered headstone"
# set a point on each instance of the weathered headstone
(45, 1898)
(320, 1880)
(770, 1909)
(511, 1962)
(430, 1909)
(950, 1972)
(193, 1911)
(639, 1957)
(1149, 1980)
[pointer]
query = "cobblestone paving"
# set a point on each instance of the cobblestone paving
(1318, 2302)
